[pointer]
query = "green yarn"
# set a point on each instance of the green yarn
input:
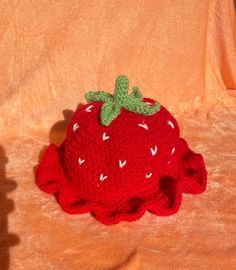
(121, 99)
(98, 96)
(136, 93)
(109, 112)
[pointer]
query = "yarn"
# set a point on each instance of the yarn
(134, 163)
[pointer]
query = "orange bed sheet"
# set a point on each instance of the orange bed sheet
(181, 53)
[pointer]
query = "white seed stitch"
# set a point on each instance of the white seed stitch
(102, 177)
(170, 123)
(122, 163)
(173, 150)
(75, 127)
(105, 137)
(149, 175)
(154, 150)
(80, 161)
(145, 126)
(88, 109)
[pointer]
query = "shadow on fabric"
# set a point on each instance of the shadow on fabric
(7, 240)
(57, 133)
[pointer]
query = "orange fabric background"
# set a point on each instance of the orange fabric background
(181, 53)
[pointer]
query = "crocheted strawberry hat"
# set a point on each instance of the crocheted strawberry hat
(122, 156)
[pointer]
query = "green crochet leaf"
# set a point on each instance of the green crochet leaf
(121, 87)
(121, 99)
(109, 112)
(98, 96)
(136, 93)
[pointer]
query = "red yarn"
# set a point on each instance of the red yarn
(117, 172)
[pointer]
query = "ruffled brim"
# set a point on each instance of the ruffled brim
(165, 200)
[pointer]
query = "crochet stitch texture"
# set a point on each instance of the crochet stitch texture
(122, 156)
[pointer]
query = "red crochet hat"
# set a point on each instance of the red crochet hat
(122, 156)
